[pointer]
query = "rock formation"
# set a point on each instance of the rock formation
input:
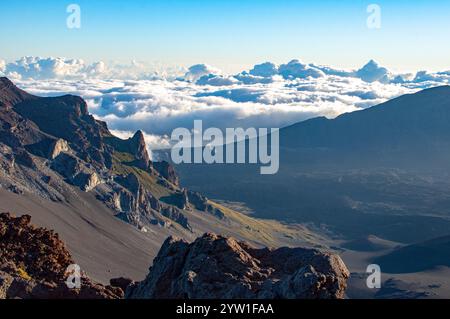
(33, 264)
(218, 267)
(201, 203)
(52, 141)
(57, 148)
(167, 171)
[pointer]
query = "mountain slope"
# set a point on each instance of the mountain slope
(411, 130)
(417, 257)
(381, 171)
(34, 263)
(110, 203)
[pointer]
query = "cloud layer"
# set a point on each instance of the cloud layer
(36, 68)
(268, 95)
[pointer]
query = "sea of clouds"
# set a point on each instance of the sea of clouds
(129, 97)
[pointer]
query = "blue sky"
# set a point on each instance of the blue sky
(232, 34)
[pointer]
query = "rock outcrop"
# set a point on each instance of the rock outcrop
(34, 263)
(189, 200)
(135, 146)
(201, 203)
(42, 136)
(76, 171)
(57, 148)
(138, 206)
(167, 171)
(139, 150)
(216, 267)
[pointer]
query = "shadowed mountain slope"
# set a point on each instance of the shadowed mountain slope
(417, 257)
(381, 171)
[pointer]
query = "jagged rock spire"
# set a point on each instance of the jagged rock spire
(139, 148)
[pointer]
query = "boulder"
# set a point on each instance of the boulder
(34, 263)
(216, 267)
(121, 283)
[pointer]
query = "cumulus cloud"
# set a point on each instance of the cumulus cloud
(296, 69)
(264, 70)
(265, 96)
(197, 71)
(205, 75)
(424, 76)
(217, 80)
(159, 106)
(373, 72)
(247, 78)
(45, 68)
(331, 71)
(75, 69)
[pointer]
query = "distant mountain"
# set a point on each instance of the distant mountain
(381, 171)
(370, 244)
(411, 131)
(417, 257)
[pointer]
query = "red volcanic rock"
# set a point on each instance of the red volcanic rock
(33, 264)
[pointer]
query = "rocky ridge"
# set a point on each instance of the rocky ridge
(34, 263)
(216, 267)
(48, 144)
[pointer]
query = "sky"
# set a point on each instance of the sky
(232, 35)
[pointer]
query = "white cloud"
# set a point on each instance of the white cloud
(197, 71)
(159, 106)
(331, 71)
(216, 80)
(372, 72)
(424, 76)
(2, 66)
(266, 96)
(296, 69)
(44, 68)
(247, 78)
(203, 74)
(264, 70)
(62, 68)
